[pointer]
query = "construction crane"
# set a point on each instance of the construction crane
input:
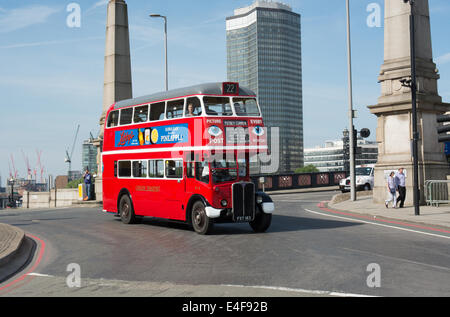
(14, 167)
(40, 166)
(68, 158)
(27, 163)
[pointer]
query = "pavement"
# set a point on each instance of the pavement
(429, 215)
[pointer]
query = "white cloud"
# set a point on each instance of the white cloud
(444, 59)
(96, 5)
(46, 43)
(20, 18)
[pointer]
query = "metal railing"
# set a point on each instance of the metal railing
(436, 192)
(298, 181)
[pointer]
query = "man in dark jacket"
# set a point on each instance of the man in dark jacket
(88, 182)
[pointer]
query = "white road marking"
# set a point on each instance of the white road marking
(378, 224)
(304, 291)
(39, 275)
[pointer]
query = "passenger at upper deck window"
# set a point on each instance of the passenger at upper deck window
(193, 109)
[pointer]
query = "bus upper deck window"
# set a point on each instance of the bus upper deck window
(175, 109)
(246, 107)
(157, 111)
(141, 114)
(126, 116)
(113, 119)
(193, 107)
(218, 106)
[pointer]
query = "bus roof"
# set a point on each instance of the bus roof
(202, 89)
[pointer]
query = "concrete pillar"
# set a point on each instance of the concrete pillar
(117, 79)
(393, 111)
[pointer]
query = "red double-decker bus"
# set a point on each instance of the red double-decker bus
(184, 155)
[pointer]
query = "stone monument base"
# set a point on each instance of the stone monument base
(426, 172)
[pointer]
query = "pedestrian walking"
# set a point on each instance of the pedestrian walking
(400, 180)
(88, 182)
(392, 191)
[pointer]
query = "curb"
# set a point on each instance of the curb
(341, 197)
(302, 190)
(16, 250)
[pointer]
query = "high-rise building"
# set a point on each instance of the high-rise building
(89, 156)
(264, 54)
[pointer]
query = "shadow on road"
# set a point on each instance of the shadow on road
(280, 223)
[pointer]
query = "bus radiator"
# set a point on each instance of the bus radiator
(243, 202)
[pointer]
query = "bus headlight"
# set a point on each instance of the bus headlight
(259, 199)
(224, 203)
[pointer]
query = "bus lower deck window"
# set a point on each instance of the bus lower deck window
(140, 169)
(156, 168)
(174, 169)
(125, 169)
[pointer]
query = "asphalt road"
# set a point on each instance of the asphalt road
(302, 254)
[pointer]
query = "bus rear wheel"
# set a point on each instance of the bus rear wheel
(201, 223)
(126, 210)
(262, 221)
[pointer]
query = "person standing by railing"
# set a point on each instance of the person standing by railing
(392, 190)
(400, 180)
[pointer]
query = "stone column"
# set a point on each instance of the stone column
(117, 79)
(394, 108)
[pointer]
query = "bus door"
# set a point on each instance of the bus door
(175, 190)
(197, 178)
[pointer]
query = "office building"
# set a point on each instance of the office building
(264, 54)
(330, 157)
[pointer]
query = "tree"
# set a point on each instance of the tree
(75, 183)
(306, 169)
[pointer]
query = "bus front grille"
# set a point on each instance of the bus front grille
(243, 202)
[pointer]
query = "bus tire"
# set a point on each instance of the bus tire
(262, 221)
(201, 223)
(126, 210)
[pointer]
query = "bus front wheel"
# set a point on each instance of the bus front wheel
(201, 223)
(126, 210)
(262, 221)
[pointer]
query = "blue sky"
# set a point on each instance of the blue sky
(51, 76)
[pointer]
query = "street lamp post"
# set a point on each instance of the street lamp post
(351, 113)
(413, 85)
(12, 201)
(165, 45)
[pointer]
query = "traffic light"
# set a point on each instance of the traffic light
(356, 149)
(443, 129)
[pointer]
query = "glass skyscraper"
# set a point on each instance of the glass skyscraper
(264, 54)
(89, 157)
